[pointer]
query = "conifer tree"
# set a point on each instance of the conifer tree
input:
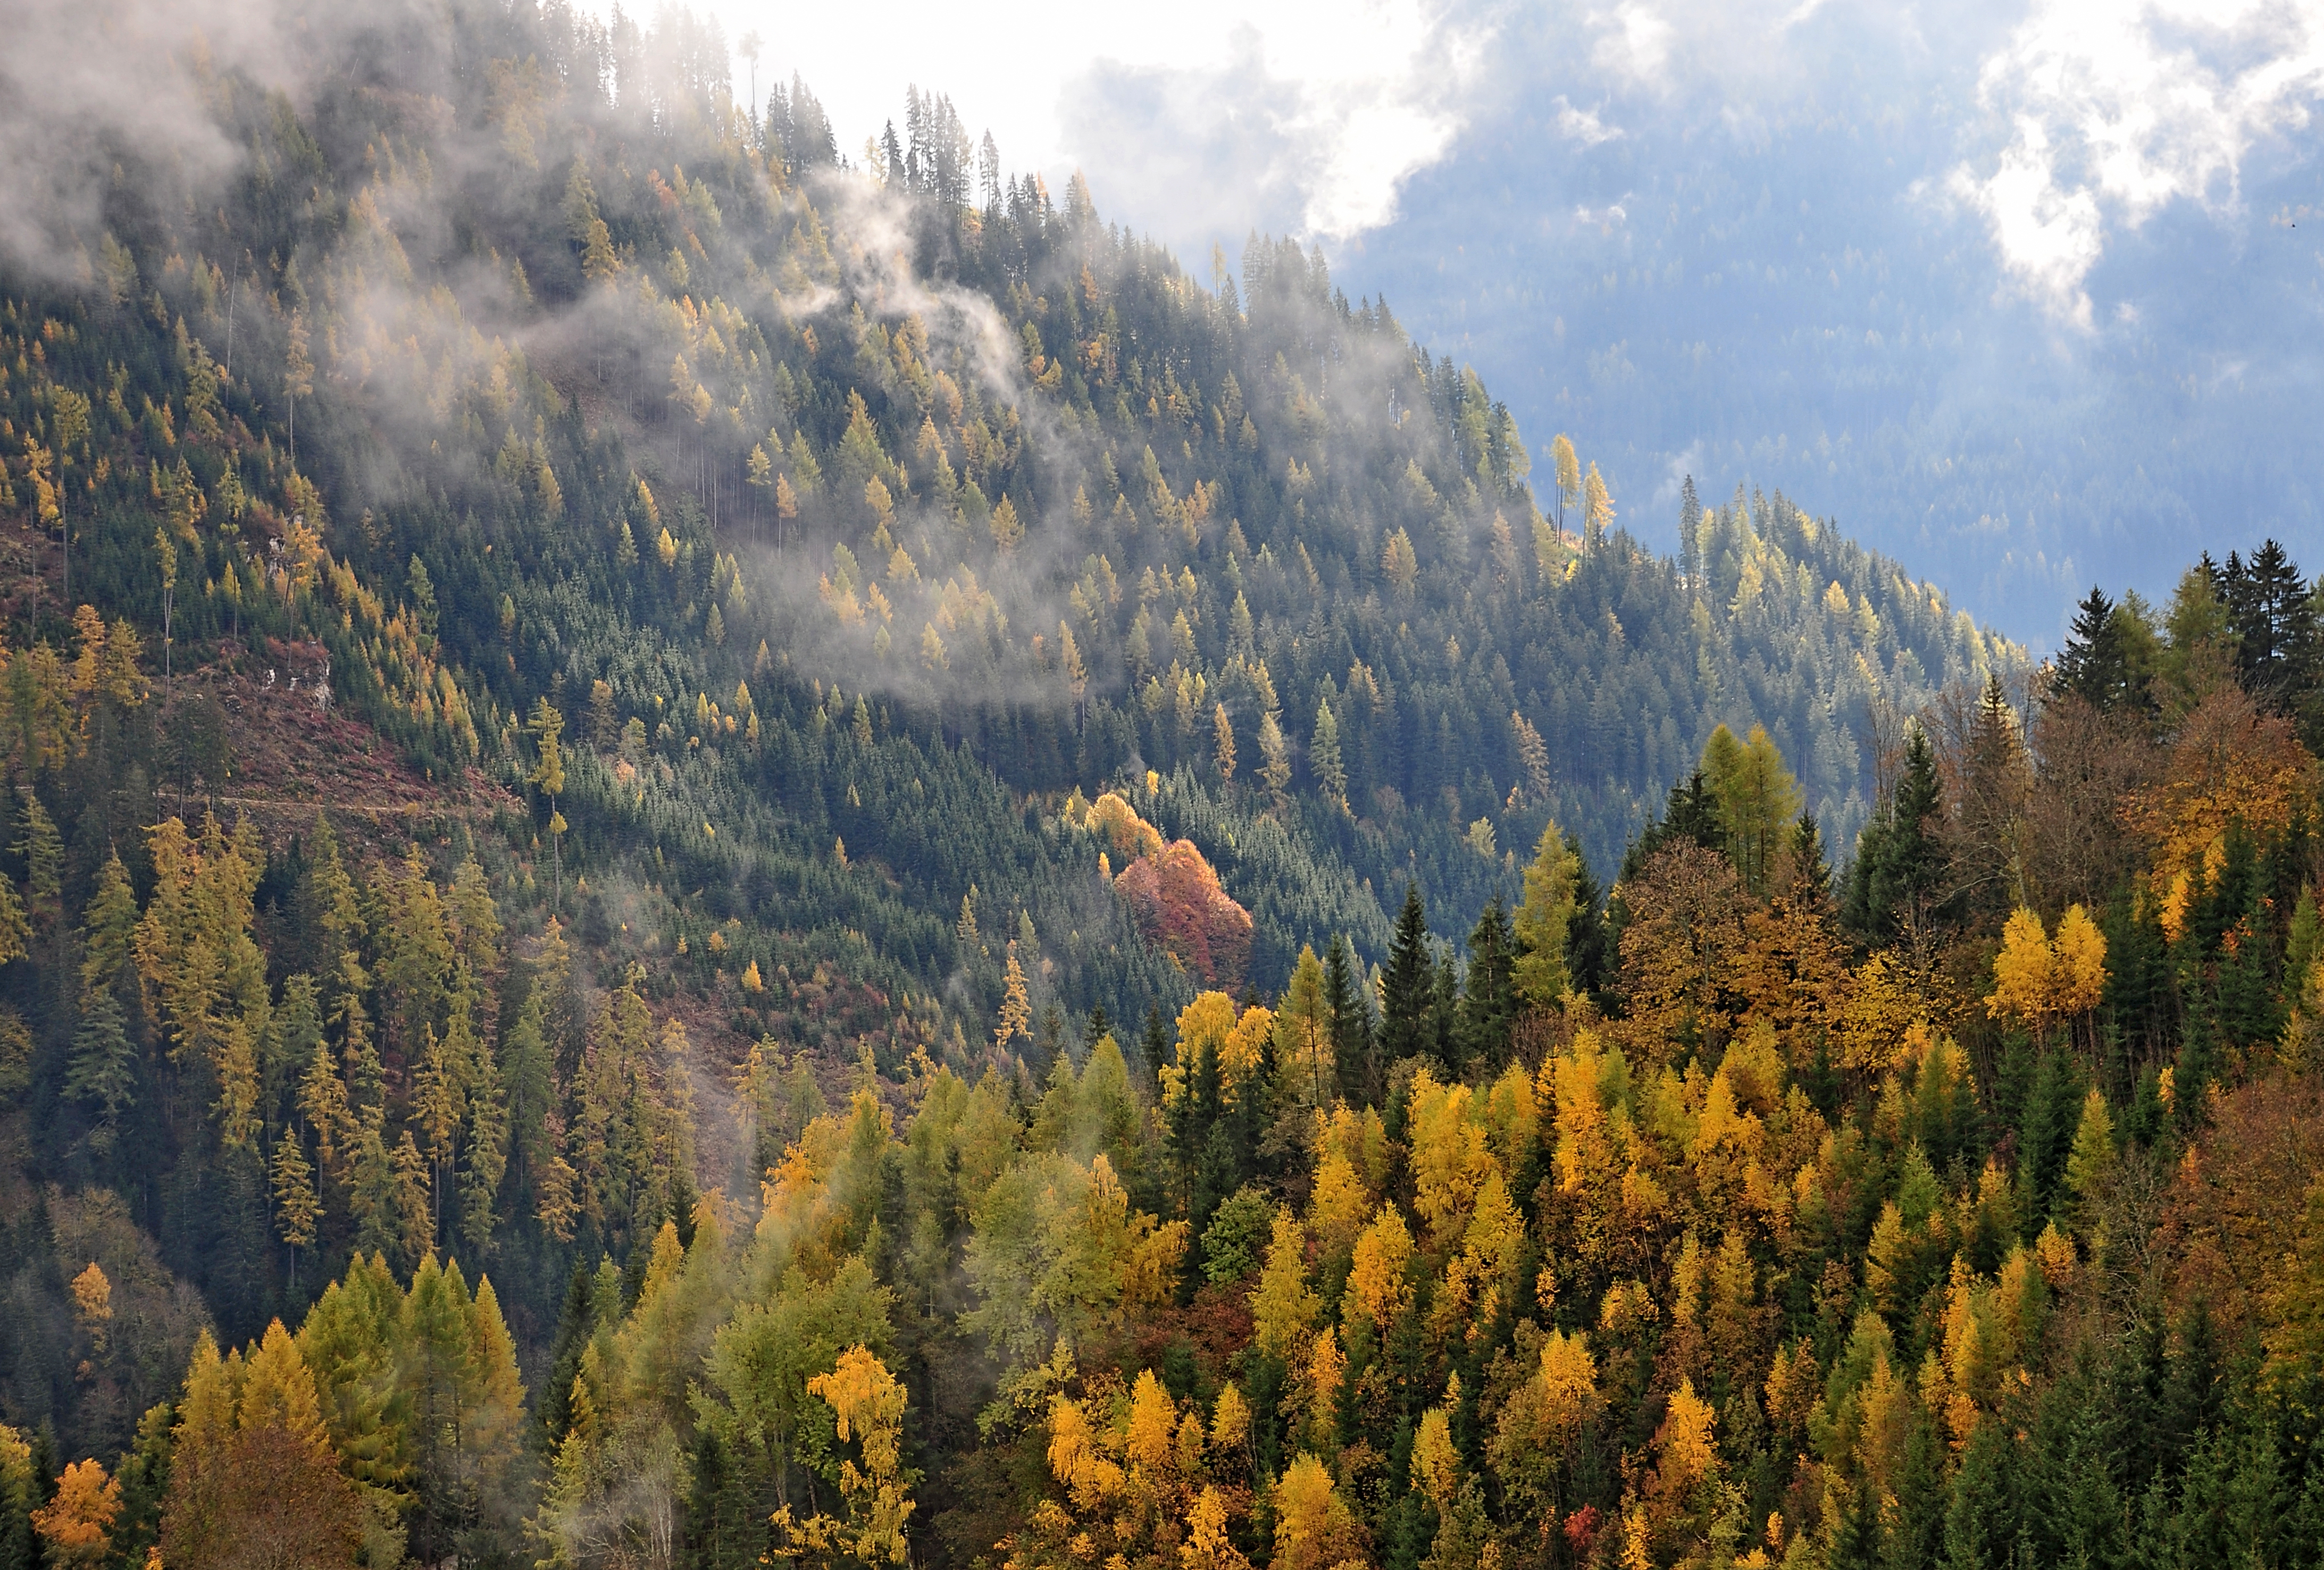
(1352, 1026)
(297, 1208)
(1566, 473)
(1408, 984)
(1597, 510)
(1323, 756)
(488, 1145)
(1899, 884)
(1545, 922)
(1488, 1000)
(1276, 766)
(548, 776)
(102, 1067)
(1016, 1017)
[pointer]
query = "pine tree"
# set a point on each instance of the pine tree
(1690, 533)
(1597, 510)
(439, 1110)
(43, 850)
(1545, 922)
(1917, 1531)
(1756, 801)
(1981, 1522)
(414, 1210)
(1276, 767)
(2093, 666)
(548, 776)
(1304, 1026)
(1566, 473)
(1811, 872)
(2274, 625)
(1857, 1545)
(371, 1191)
(111, 925)
(1587, 948)
(488, 1145)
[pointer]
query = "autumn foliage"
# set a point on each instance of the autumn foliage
(1174, 897)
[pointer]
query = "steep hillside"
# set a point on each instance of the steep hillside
(671, 401)
(844, 530)
(753, 747)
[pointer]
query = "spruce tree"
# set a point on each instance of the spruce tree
(2094, 665)
(1408, 984)
(1588, 943)
(1811, 872)
(1857, 1544)
(1981, 1522)
(1353, 1041)
(1900, 882)
(1488, 1004)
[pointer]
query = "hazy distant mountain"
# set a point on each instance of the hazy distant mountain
(1750, 241)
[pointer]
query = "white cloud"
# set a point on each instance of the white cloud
(2122, 107)
(1582, 125)
(1635, 42)
(1326, 109)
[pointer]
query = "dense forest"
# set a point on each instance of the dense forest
(722, 853)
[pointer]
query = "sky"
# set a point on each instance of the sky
(2013, 288)
(1324, 109)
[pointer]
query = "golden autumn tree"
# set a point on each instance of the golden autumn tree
(77, 1525)
(867, 1407)
(1680, 950)
(1313, 1528)
(1538, 1426)
(2228, 762)
(1377, 1282)
(253, 1479)
(1283, 1307)
(2038, 979)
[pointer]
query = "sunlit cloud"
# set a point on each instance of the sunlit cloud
(1634, 41)
(1204, 117)
(2122, 107)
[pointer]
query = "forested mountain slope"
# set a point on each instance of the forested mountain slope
(915, 433)
(737, 827)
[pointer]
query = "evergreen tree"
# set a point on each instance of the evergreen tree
(1488, 1004)
(1354, 1039)
(1408, 984)
(1900, 883)
(1587, 944)
(1811, 872)
(2096, 663)
(102, 1068)
(2275, 623)
(1981, 1522)
(1691, 813)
